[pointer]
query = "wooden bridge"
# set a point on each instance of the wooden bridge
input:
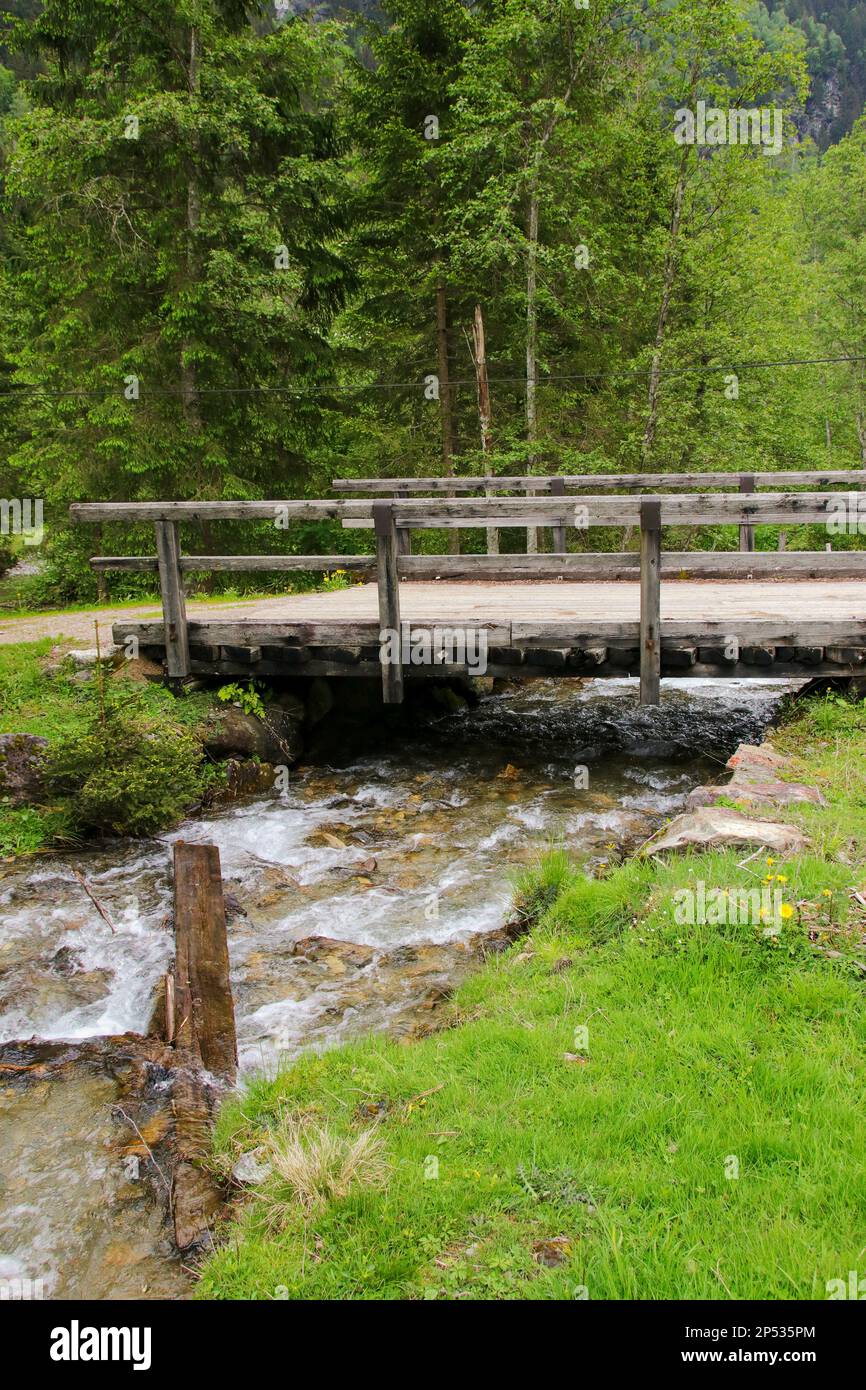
(719, 613)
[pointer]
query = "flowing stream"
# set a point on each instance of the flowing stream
(397, 852)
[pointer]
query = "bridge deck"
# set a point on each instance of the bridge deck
(779, 627)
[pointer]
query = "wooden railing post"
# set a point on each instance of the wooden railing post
(650, 599)
(747, 531)
(173, 601)
(390, 635)
(404, 535)
(557, 489)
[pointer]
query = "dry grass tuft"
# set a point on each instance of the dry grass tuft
(312, 1166)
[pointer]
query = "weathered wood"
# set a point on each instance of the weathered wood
(684, 564)
(404, 535)
(557, 489)
(846, 477)
(204, 1024)
(612, 565)
(590, 510)
(173, 601)
(650, 600)
(389, 603)
(747, 532)
(697, 509)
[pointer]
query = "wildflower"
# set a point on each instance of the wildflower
(770, 861)
(786, 911)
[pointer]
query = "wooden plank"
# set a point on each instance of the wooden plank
(264, 632)
(699, 509)
(277, 510)
(718, 564)
(694, 631)
(845, 477)
(591, 510)
(204, 1023)
(389, 603)
(173, 601)
(650, 599)
(145, 563)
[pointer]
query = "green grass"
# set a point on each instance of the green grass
(37, 699)
(711, 1051)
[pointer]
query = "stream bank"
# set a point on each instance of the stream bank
(358, 897)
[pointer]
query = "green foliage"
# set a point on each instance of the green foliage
(248, 697)
(129, 771)
(281, 256)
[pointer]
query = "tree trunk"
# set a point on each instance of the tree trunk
(670, 275)
(532, 343)
(480, 355)
(446, 404)
(188, 377)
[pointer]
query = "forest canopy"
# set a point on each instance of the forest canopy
(246, 250)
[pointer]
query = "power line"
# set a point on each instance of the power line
(626, 372)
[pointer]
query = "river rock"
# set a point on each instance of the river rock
(276, 739)
(246, 778)
(757, 794)
(22, 767)
(758, 780)
(718, 828)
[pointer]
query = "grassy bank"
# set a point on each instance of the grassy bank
(126, 753)
(623, 1107)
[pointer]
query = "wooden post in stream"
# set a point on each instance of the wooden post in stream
(650, 599)
(204, 1016)
(203, 1033)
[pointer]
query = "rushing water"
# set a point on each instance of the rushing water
(403, 849)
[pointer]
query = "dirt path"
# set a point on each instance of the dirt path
(78, 627)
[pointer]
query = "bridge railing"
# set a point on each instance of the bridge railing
(386, 518)
(574, 484)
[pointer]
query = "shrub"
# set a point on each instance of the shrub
(131, 771)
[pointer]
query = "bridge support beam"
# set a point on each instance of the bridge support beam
(390, 636)
(650, 600)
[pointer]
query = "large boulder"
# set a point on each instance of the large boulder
(22, 767)
(719, 828)
(275, 739)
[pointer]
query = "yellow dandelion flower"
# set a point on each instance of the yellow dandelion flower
(786, 911)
